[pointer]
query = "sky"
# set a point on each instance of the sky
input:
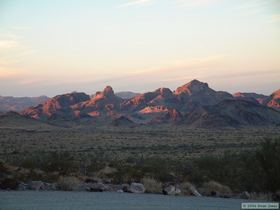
(59, 46)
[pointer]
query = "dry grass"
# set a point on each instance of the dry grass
(151, 185)
(214, 187)
(187, 188)
(68, 183)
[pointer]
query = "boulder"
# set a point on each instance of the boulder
(97, 187)
(136, 188)
(171, 189)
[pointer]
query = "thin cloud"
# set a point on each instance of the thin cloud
(196, 3)
(7, 74)
(274, 18)
(31, 82)
(253, 7)
(187, 64)
(136, 2)
(8, 44)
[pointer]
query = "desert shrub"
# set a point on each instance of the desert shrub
(106, 171)
(9, 184)
(68, 183)
(255, 170)
(152, 185)
(159, 168)
(187, 188)
(268, 158)
(62, 162)
(3, 167)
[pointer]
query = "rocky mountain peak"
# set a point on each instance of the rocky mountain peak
(274, 100)
(276, 94)
(108, 91)
(194, 86)
(165, 92)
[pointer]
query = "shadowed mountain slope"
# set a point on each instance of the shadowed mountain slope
(17, 104)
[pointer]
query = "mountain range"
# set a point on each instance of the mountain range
(194, 104)
(17, 104)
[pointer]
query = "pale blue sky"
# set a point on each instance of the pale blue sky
(57, 46)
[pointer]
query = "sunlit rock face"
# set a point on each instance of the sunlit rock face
(274, 100)
(57, 107)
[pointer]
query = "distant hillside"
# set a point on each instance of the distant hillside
(17, 104)
(126, 94)
(194, 104)
(253, 97)
(17, 121)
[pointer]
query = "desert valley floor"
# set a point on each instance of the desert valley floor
(119, 142)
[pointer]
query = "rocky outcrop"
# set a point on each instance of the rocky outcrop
(58, 107)
(274, 100)
(104, 104)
